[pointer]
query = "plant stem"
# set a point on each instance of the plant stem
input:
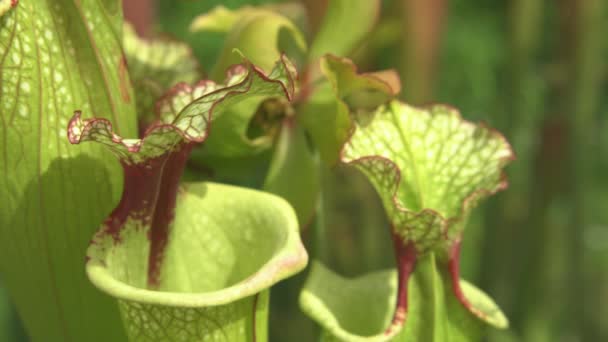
(316, 11)
(559, 214)
(422, 28)
(406, 260)
(586, 70)
(140, 14)
(507, 217)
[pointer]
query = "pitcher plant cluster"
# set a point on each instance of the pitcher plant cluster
(111, 144)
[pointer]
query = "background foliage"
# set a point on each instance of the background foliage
(535, 70)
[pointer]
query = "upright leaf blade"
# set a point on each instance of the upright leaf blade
(293, 172)
(55, 57)
(327, 120)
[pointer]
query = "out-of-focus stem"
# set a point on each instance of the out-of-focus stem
(507, 215)
(526, 17)
(421, 32)
(586, 70)
(141, 14)
(554, 254)
(316, 11)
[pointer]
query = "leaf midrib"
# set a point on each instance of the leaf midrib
(414, 166)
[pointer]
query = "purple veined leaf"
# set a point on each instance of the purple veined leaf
(155, 65)
(153, 164)
(183, 115)
(172, 250)
(430, 168)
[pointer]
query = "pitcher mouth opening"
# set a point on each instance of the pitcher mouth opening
(209, 258)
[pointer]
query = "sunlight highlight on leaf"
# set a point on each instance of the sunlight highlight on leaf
(430, 168)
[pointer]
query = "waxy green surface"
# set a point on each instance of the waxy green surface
(430, 168)
(361, 308)
(227, 246)
(343, 91)
(344, 26)
(224, 247)
(259, 33)
(55, 57)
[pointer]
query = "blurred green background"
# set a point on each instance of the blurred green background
(536, 71)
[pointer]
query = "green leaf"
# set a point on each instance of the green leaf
(58, 56)
(231, 138)
(360, 91)
(344, 25)
(361, 309)
(258, 33)
(481, 301)
(184, 114)
(295, 11)
(357, 309)
(148, 251)
(430, 169)
(219, 19)
(434, 313)
(327, 120)
(226, 247)
(326, 113)
(294, 172)
(155, 66)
